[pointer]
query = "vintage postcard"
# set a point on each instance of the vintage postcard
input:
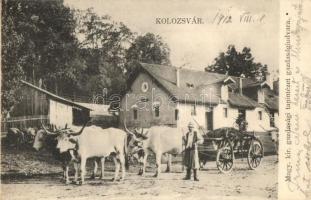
(155, 99)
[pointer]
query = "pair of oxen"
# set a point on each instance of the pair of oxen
(72, 145)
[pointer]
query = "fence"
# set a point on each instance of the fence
(23, 122)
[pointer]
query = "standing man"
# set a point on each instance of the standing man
(191, 159)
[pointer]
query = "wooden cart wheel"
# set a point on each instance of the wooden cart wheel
(255, 154)
(225, 157)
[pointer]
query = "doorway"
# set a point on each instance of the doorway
(209, 119)
(243, 113)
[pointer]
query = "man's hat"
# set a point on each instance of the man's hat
(190, 125)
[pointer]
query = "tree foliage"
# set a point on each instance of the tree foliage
(72, 52)
(236, 63)
(149, 48)
(103, 47)
(39, 42)
(11, 68)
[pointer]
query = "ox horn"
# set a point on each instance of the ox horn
(143, 134)
(79, 132)
(129, 132)
(126, 129)
(48, 132)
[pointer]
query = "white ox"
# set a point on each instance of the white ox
(158, 140)
(95, 141)
(45, 139)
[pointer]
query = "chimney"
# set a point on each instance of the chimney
(177, 76)
(241, 83)
(241, 86)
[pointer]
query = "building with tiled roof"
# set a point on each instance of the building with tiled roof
(165, 95)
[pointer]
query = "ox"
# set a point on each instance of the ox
(15, 137)
(45, 139)
(95, 141)
(30, 133)
(158, 140)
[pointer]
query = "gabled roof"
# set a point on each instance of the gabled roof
(271, 100)
(229, 79)
(237, 100)
(166, 77)
(54, 96)
(203, 85)
(255, 84)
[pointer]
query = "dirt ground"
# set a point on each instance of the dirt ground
(239, 184)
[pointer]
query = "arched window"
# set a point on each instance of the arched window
(157, 110)
(135, 113)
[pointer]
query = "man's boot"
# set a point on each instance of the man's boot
(195, 175)
(188, 175)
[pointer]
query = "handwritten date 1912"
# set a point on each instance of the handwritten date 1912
(226, 17)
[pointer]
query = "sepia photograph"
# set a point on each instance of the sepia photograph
(134, 99)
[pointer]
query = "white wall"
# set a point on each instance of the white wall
(185, 115)
(60, 114)
(219, 118)
(254, 123)
(252, 117)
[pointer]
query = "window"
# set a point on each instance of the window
(272, 123)
(226, 112)
(157, 110)
(176, 114)
(193, 110)
(144, 87)
(260, 115)
(135, 113)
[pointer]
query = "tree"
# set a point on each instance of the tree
(38, 44)
(103, 47)
(12, 70)
(148, 48)
(236, 63)
(56, 51)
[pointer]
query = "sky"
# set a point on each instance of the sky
(196, 45)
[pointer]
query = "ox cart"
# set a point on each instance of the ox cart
(229, 144)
